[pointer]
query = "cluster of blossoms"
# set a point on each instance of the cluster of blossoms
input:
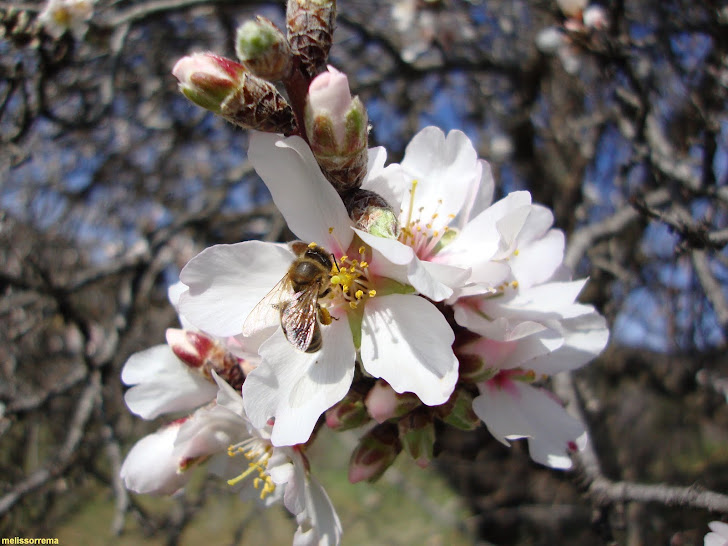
(411, 297)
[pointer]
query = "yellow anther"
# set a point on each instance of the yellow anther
(331, 229)
(435, 233)
(439, 201)
(359, 294)
(428, 226)
(515, 252)
(514, 284)
(362, 249)
(354, 262)
(335, 279)
(419, 228)
(313, 245)
(352, 269)
(451, 216)
(344, 258)
(372, 293)
(353, 304)
(364, 265)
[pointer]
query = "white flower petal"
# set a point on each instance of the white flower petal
(407, 342)
(522, 411)
(446, 170)
(295, 387)
(227, 281)
(719, 534)
(308, 202)
(484, 195)
(537, 262)
(479, 240)
(163, 384)
(150, 466)
(318, 524)
(389, 182)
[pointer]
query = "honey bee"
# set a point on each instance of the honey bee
(295, 298)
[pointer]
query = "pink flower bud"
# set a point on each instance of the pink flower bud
(384, 403)
(375, 453)
(337, 127)
(208, 79)
(349, 413)
(204, 354)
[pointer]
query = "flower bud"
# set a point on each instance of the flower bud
(204, 354)
(384, 403)
(337, 129)
(224, 87)
(310, 25)
(417, 434)
(349, 413)
(263, 49)
(207, 79)
(371, 213)
(458, 411)
(374, 454)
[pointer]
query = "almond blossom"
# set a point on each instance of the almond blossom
(58, 16)
(376, 318)
(221, 433)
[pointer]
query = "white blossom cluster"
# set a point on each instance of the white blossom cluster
(470, 297)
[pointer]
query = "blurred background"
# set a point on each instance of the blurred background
(110, 181)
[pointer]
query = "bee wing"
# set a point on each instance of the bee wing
(299, 318)
(267, 312)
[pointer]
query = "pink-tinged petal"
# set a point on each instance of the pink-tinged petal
(505, 355)
(295, 387)
(163, 384)
(308, 202)
(446, 170)
(407, 342)
(429, 279)
(536, 262)
(227, 281)
(209, 431)
(500, 328)
(150, 466)
(522, 411)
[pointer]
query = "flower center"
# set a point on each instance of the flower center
(418, 232)
(350, 280)
(258, 453)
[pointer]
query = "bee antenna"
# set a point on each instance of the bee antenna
(337, 263)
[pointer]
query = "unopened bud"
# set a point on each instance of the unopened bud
(204, 354)
(208, 79)
(375, 453)
(263, 49)
(310, 25)
(383, 402)
(337, 129)
(224, 87)
(458, 411)
(371, 213)
(473, 365)
(349, 413)
(417, 434)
